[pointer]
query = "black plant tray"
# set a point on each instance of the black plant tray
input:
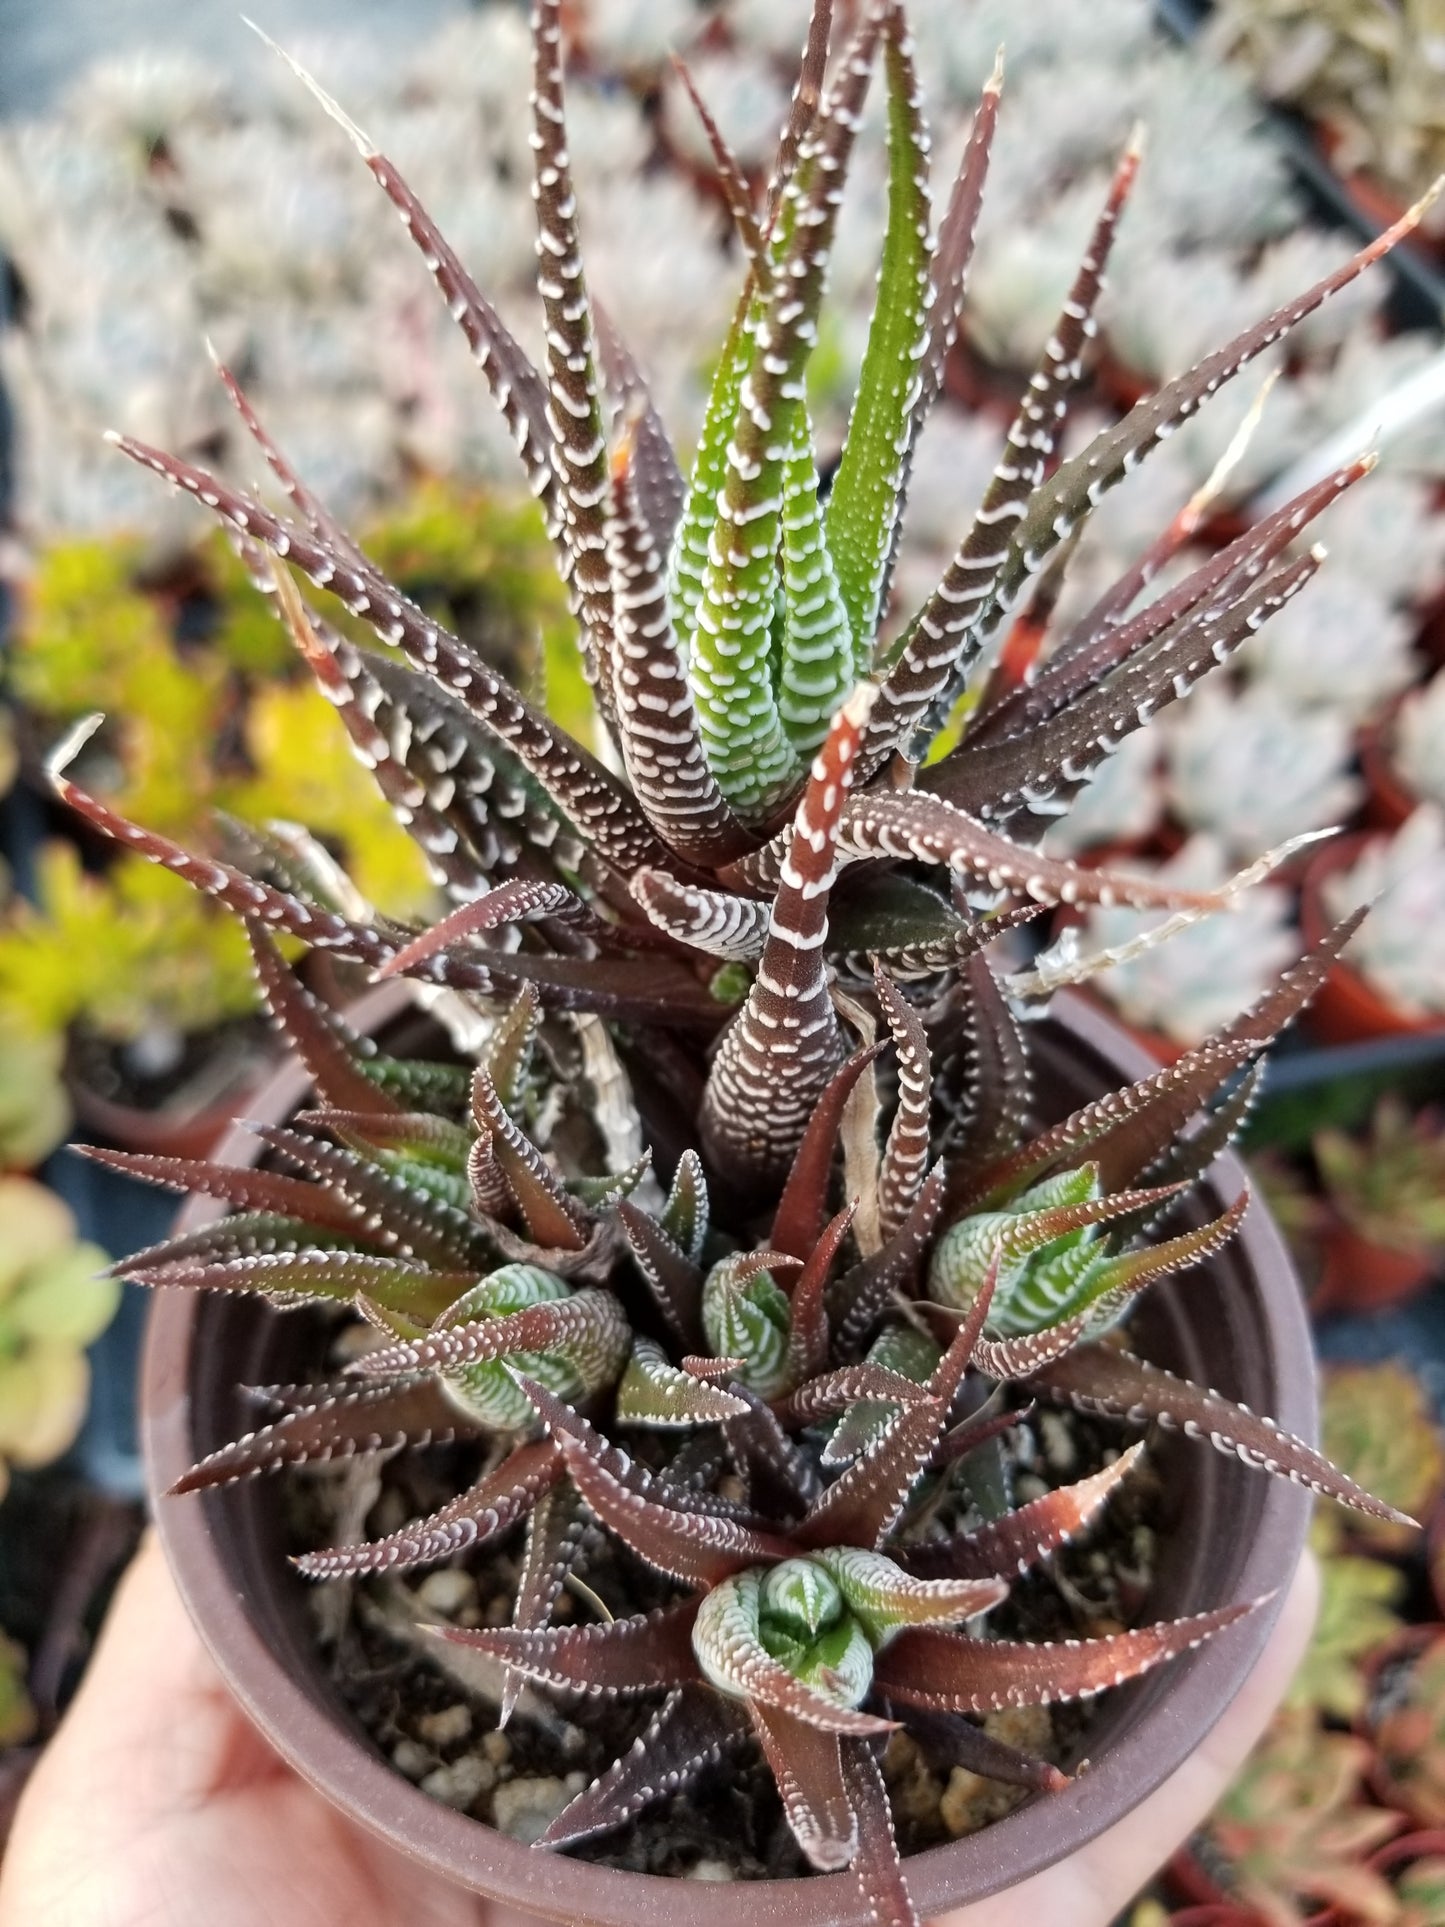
(1418, 300)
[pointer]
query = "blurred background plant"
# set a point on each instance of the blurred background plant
(1370, 76)
(152, 990)
(1352, 1763)
(55, 1302)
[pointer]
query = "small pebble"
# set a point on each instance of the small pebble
(411, 1759)
(970, 1802)
(914, 1790)
(1028, 1486)
(710, 1870)
(526, 1808)
(1028, 1728)
(1060, 1452)
(445, 1728)
(459, 1784)
(448, 1591)
(497, 1748)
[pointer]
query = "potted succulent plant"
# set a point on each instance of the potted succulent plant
(1368, 77)
(52, 1305)
(1385, 1234)
(1390, 984)
(1378, 1424)
(1403, 758)
(1414, 1864)
(609, 1209)
(150, 988)
(1254, 771)
(1401, 1720)
(1292, 1832)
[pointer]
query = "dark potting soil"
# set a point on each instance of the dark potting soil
(178, 1070)
(431, 1708)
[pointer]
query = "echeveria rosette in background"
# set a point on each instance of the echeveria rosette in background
(755, 927)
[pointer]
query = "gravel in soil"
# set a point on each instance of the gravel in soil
(431, 1709)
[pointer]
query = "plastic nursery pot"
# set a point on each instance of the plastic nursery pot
(1435, 1555)
(1390, 800)
(1377, 203)
(1360, 1275)
(1386, 1670)
(1212, 1916)
(1393, 1858)
(1197, 1881)
(188, 1124)
(1347, 1008)
(1157, 1043)
(177, 1133)
(1231, 1535)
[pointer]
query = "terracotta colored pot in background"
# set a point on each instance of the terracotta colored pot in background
(1163, 1049)
(1408, 1645)
(1347, 1009)
(1389, 1859)
(176, 1132)
(1186, 1874)
(1239, 1537)
(1378, 202)
(1216, 1916)
(1390, 801)
(1360, 1275)
(1435, 1554)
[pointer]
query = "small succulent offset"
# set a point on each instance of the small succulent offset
(703, 960)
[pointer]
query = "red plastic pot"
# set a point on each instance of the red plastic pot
(1378, 203)
(1360, 1275)
(219, 1089)
(1435, 1554)
(178, 1132)
(1391, 1858)
(1211, 1915)
(1161, 1048)
(1239, 1535)
(1187, 1874)
(1347, 1009)
(1404, 1649)
(1390, 800)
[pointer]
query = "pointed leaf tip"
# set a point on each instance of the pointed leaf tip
(329, 106)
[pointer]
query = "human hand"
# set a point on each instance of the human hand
(157, 1804)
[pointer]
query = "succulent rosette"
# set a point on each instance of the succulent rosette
(740, 1159)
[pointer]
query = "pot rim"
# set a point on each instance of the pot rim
(346, 1769)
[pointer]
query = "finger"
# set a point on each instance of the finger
(1090, 1887)
(151, 1726)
